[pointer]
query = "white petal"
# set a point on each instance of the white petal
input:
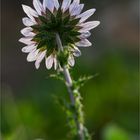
(49, 62)
(29, 48)
(60, 68)
(39, 59)
(81, 6)
(38, 6)
(26, 40)
(48, 4)
(28, 22)
(84, 16)
(56, 4)
(55, 63)
(65, 5)
(77, 10)
(83, 43)
(77, 1)
(76, 52)
(30, 12)
(32, 56)
(74, 5)
(71, 60)
(88, 25)
(85, 35)
(28, 32)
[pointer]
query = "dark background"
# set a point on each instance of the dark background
(29, 110)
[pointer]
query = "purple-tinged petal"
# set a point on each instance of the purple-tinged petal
(83, 43)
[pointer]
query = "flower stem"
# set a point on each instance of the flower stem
(69, 84)
(66, 71)
(75, 99)
(71, 94)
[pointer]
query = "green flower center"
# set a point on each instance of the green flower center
(49, 24)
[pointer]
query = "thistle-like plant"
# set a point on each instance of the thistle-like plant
(54, 31)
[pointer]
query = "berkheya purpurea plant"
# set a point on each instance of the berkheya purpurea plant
(54, 31)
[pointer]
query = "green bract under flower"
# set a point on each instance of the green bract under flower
(51, 23)
(49, 19)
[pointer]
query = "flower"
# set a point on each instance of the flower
(54, 17)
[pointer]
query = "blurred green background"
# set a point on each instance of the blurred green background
(28, 108)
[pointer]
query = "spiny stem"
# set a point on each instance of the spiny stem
(69, 85)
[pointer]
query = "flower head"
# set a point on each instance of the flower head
(54, 17)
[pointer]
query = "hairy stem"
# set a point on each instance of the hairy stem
(69, 84)
(73, 99)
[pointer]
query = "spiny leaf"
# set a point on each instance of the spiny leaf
(61, 101)
(57, 76)
(82, 80)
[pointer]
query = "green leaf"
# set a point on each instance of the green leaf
(60, 101)
(83, 80)
(58, 76)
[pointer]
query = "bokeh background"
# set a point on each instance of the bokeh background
(28, 107)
